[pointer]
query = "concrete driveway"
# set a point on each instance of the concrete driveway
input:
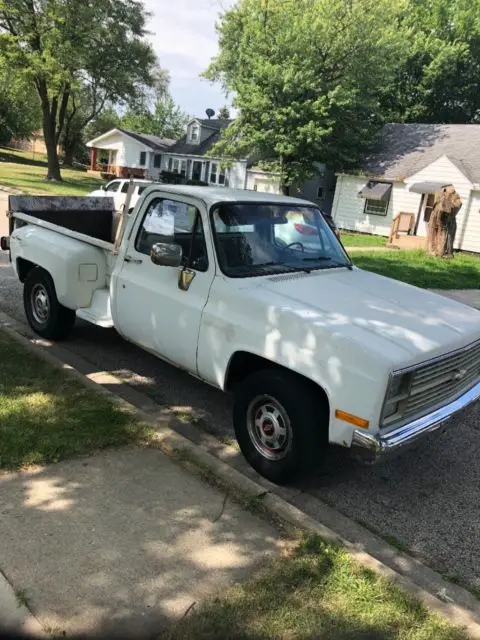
(427, 501)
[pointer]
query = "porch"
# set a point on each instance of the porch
(105, 161)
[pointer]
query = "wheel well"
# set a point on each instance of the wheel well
(23, 268)
(242, 364)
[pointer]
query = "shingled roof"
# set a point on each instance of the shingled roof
(154, 142)
(215, 126)
(404, 149)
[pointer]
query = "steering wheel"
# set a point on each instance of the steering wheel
(293, 244)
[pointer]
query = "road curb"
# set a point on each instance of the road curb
(442, 597)
(14, 615)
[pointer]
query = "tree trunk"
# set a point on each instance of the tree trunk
(284, 185)
(50, 132)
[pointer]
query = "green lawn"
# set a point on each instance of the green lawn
(19, 170)
(362, 240)
(316, 591)
(422, 270)
(46, 415)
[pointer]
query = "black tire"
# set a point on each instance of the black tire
(45, 314)
(302, 415)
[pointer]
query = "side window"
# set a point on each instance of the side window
(173, 221)
(112, 187)
(125, 187)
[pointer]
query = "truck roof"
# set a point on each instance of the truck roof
(213, 195)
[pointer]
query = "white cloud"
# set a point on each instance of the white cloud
(183, 35)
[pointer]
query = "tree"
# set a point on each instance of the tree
(155, 112)
(438, 81)
(224, 113)
(305, 75)
(19, 115)
(64, 46)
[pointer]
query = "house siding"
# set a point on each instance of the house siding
(348, 207)
(468, 225)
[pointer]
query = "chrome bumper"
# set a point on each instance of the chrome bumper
(370, 448)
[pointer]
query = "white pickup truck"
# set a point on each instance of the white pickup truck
(220, 283)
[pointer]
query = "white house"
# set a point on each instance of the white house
(126, 153)
(123, 153)
(409, 163)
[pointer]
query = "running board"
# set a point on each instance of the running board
(98, 312)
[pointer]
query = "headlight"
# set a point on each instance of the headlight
(397, 395)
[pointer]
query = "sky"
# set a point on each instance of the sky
(183, 35)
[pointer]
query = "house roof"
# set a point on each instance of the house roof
(153, 142)
(404, 149)
(186, 148)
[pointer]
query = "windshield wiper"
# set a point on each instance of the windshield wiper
(336, 263)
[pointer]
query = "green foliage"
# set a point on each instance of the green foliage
(223, 113)
(20, 115)
(165, 120)
(306, 76)
(65, 46)
(438, 81)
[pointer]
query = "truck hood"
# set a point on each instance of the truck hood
(401, 323)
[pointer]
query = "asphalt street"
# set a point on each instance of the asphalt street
(427, 501)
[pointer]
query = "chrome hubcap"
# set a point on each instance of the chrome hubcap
(269, 427)
(40, 304)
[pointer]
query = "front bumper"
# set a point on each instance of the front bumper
(370, 448)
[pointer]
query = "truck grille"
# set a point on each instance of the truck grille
(444, 379)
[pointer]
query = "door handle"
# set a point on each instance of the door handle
(133, 260)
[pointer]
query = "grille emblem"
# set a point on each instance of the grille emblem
(459, 374)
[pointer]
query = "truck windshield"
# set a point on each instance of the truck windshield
(257, 239)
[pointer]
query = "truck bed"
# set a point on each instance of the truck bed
(87, 216)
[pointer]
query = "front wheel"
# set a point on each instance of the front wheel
(45, 314)
(281, 424)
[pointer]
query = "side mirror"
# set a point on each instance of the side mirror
(166, 254)
(104, 187)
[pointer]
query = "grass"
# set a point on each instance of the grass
(46, 415)
(420, 269)
(314, 591)
(19, 170)
(362, 240)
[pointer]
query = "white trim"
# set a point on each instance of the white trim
(93, 143)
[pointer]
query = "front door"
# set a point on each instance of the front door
(197, 170)
(422, 229)
(151, 310)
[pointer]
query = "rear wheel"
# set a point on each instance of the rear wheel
(45, 314)
(281, 424)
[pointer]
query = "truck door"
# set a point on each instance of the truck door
(150, 308)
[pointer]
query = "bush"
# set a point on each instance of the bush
(197, 183)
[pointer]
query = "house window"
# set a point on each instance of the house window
(194, 132)
(376, 207)
(321, 193)
(157, 161)
(176, 166)
(183, 168)
(377, 197)
(170, 164)
(213, 173)
(221, 176)
(143, 158)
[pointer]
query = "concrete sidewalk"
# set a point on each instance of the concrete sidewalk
(124, 541)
